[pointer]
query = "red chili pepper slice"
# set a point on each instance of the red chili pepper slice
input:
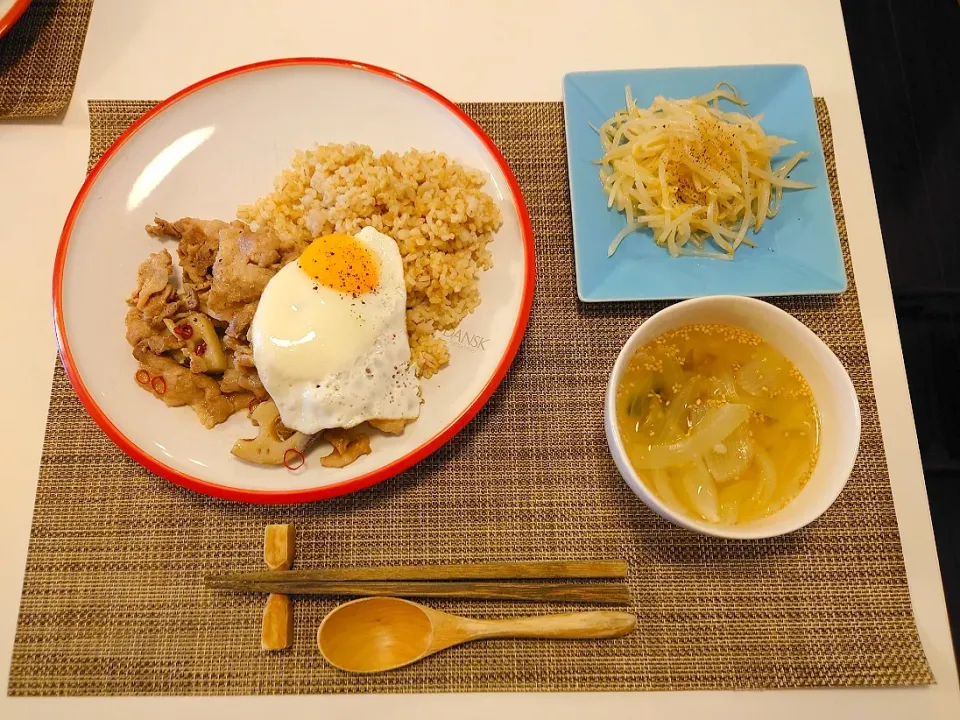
(159, 385)
(290, 458)
(143, 377)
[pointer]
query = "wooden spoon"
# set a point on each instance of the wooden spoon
(383, 633)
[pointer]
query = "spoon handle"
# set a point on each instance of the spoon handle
(564, 626)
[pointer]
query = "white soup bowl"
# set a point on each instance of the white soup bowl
(832, 389)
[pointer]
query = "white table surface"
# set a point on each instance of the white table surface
(469, 51)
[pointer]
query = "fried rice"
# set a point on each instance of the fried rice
(432, 206)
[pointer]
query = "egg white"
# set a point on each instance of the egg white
(333, 360)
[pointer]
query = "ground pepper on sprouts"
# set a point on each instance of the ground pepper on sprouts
(693, 173)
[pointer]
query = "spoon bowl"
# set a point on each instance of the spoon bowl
(375, 633)
(382, 633)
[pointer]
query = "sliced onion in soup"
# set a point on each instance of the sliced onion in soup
(664, 488)
(702, 491)
(713, 429)
(768, 479)
(732, 496)
(675, 419)
(767, 369)
(728, 459)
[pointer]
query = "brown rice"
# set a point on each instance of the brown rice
(432, 206)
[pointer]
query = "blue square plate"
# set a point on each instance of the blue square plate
(798, 251)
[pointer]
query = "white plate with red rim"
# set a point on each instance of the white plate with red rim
(10, 12)
(213, 147)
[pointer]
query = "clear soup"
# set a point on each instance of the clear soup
(716, 422)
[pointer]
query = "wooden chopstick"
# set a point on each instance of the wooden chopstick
(613, 593)
(538, 570)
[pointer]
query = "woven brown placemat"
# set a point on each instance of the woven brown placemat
(112, 602)
(39, 59)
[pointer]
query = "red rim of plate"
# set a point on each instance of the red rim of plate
(8, 20)
(319, 493)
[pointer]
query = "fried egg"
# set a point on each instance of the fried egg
(329, 336)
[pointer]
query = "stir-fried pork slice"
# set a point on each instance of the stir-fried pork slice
(164, 304)
(242, 351)
(153, 276)
(154, 300)
(183, 387)
(241, 400)
(246, 260)
(238, 378)
(190, 297)
(162, 228)
(197, 249)
(150, 334)
(240, 322)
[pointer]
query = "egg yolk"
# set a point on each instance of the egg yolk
(342, 263)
